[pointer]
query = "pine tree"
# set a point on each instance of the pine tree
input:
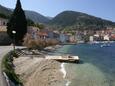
(17, 23)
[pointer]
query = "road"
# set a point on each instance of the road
(3, 51)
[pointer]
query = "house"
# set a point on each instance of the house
(42, 35)
(112, 37)
(64, 38)
(33, 31)
(49, 32)
(91, 39)
(72, 39)
(106, 38)
(57, 36)
(3, 22)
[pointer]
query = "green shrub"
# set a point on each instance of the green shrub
(7, 67)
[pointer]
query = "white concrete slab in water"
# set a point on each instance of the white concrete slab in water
(63, 58)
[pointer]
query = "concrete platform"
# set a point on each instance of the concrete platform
(66, 58)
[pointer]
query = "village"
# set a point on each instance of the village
(79, 36)
(67, 43)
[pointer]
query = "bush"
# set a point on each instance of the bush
(38, 43)
(52, 42)
(4, 16)
(29, 42)
(7, 67)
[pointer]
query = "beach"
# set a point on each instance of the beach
(39, 72)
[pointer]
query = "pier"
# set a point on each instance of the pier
(68, 43)
(65, 58)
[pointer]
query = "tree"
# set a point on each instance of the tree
(30, 22)
(4, 16)
(17, 23)
(40, 26)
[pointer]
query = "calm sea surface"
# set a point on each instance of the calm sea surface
(97, 66)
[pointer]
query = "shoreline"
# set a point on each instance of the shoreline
(51, 72)
(63, 70)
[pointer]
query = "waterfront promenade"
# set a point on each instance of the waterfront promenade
(3, 51)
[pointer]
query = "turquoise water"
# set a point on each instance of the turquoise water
(97, 66)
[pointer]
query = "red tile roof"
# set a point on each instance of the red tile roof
(42, 34)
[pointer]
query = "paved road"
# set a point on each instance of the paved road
(3, 51)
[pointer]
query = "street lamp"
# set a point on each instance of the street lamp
(14, 32)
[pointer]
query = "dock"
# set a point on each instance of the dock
(65, 58)
(68, 43)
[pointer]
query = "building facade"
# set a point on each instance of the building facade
(3, 22)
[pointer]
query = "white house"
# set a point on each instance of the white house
(62, 38)
(106, 37)
(91, 39)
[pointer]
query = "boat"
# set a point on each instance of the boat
(105, 45)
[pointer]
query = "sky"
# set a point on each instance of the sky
(100, 8)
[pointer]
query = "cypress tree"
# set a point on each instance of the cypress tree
(17, 23)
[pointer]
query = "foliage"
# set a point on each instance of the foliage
(18, 23)
(30, 22)
(7, 67)
(38, 43)
(5, 11)
(40, 26)
(4, 16)
(51, 42)
(34, 16)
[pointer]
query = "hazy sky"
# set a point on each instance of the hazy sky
(100, 8)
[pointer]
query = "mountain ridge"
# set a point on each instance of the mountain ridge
(69, 19)
(34, 16)
(73, 18)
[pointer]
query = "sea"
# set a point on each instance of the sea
(96, 67)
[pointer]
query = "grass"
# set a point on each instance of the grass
(7, 67)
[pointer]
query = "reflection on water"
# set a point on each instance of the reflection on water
(98, 68)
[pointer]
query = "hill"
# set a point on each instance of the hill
(4, 12)
(50, 18)
(66, 19)
(34, 16)
(78, 20)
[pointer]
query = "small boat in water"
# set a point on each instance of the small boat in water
(106, 42)
(105, 45)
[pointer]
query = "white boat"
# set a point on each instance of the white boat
(105, 45)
